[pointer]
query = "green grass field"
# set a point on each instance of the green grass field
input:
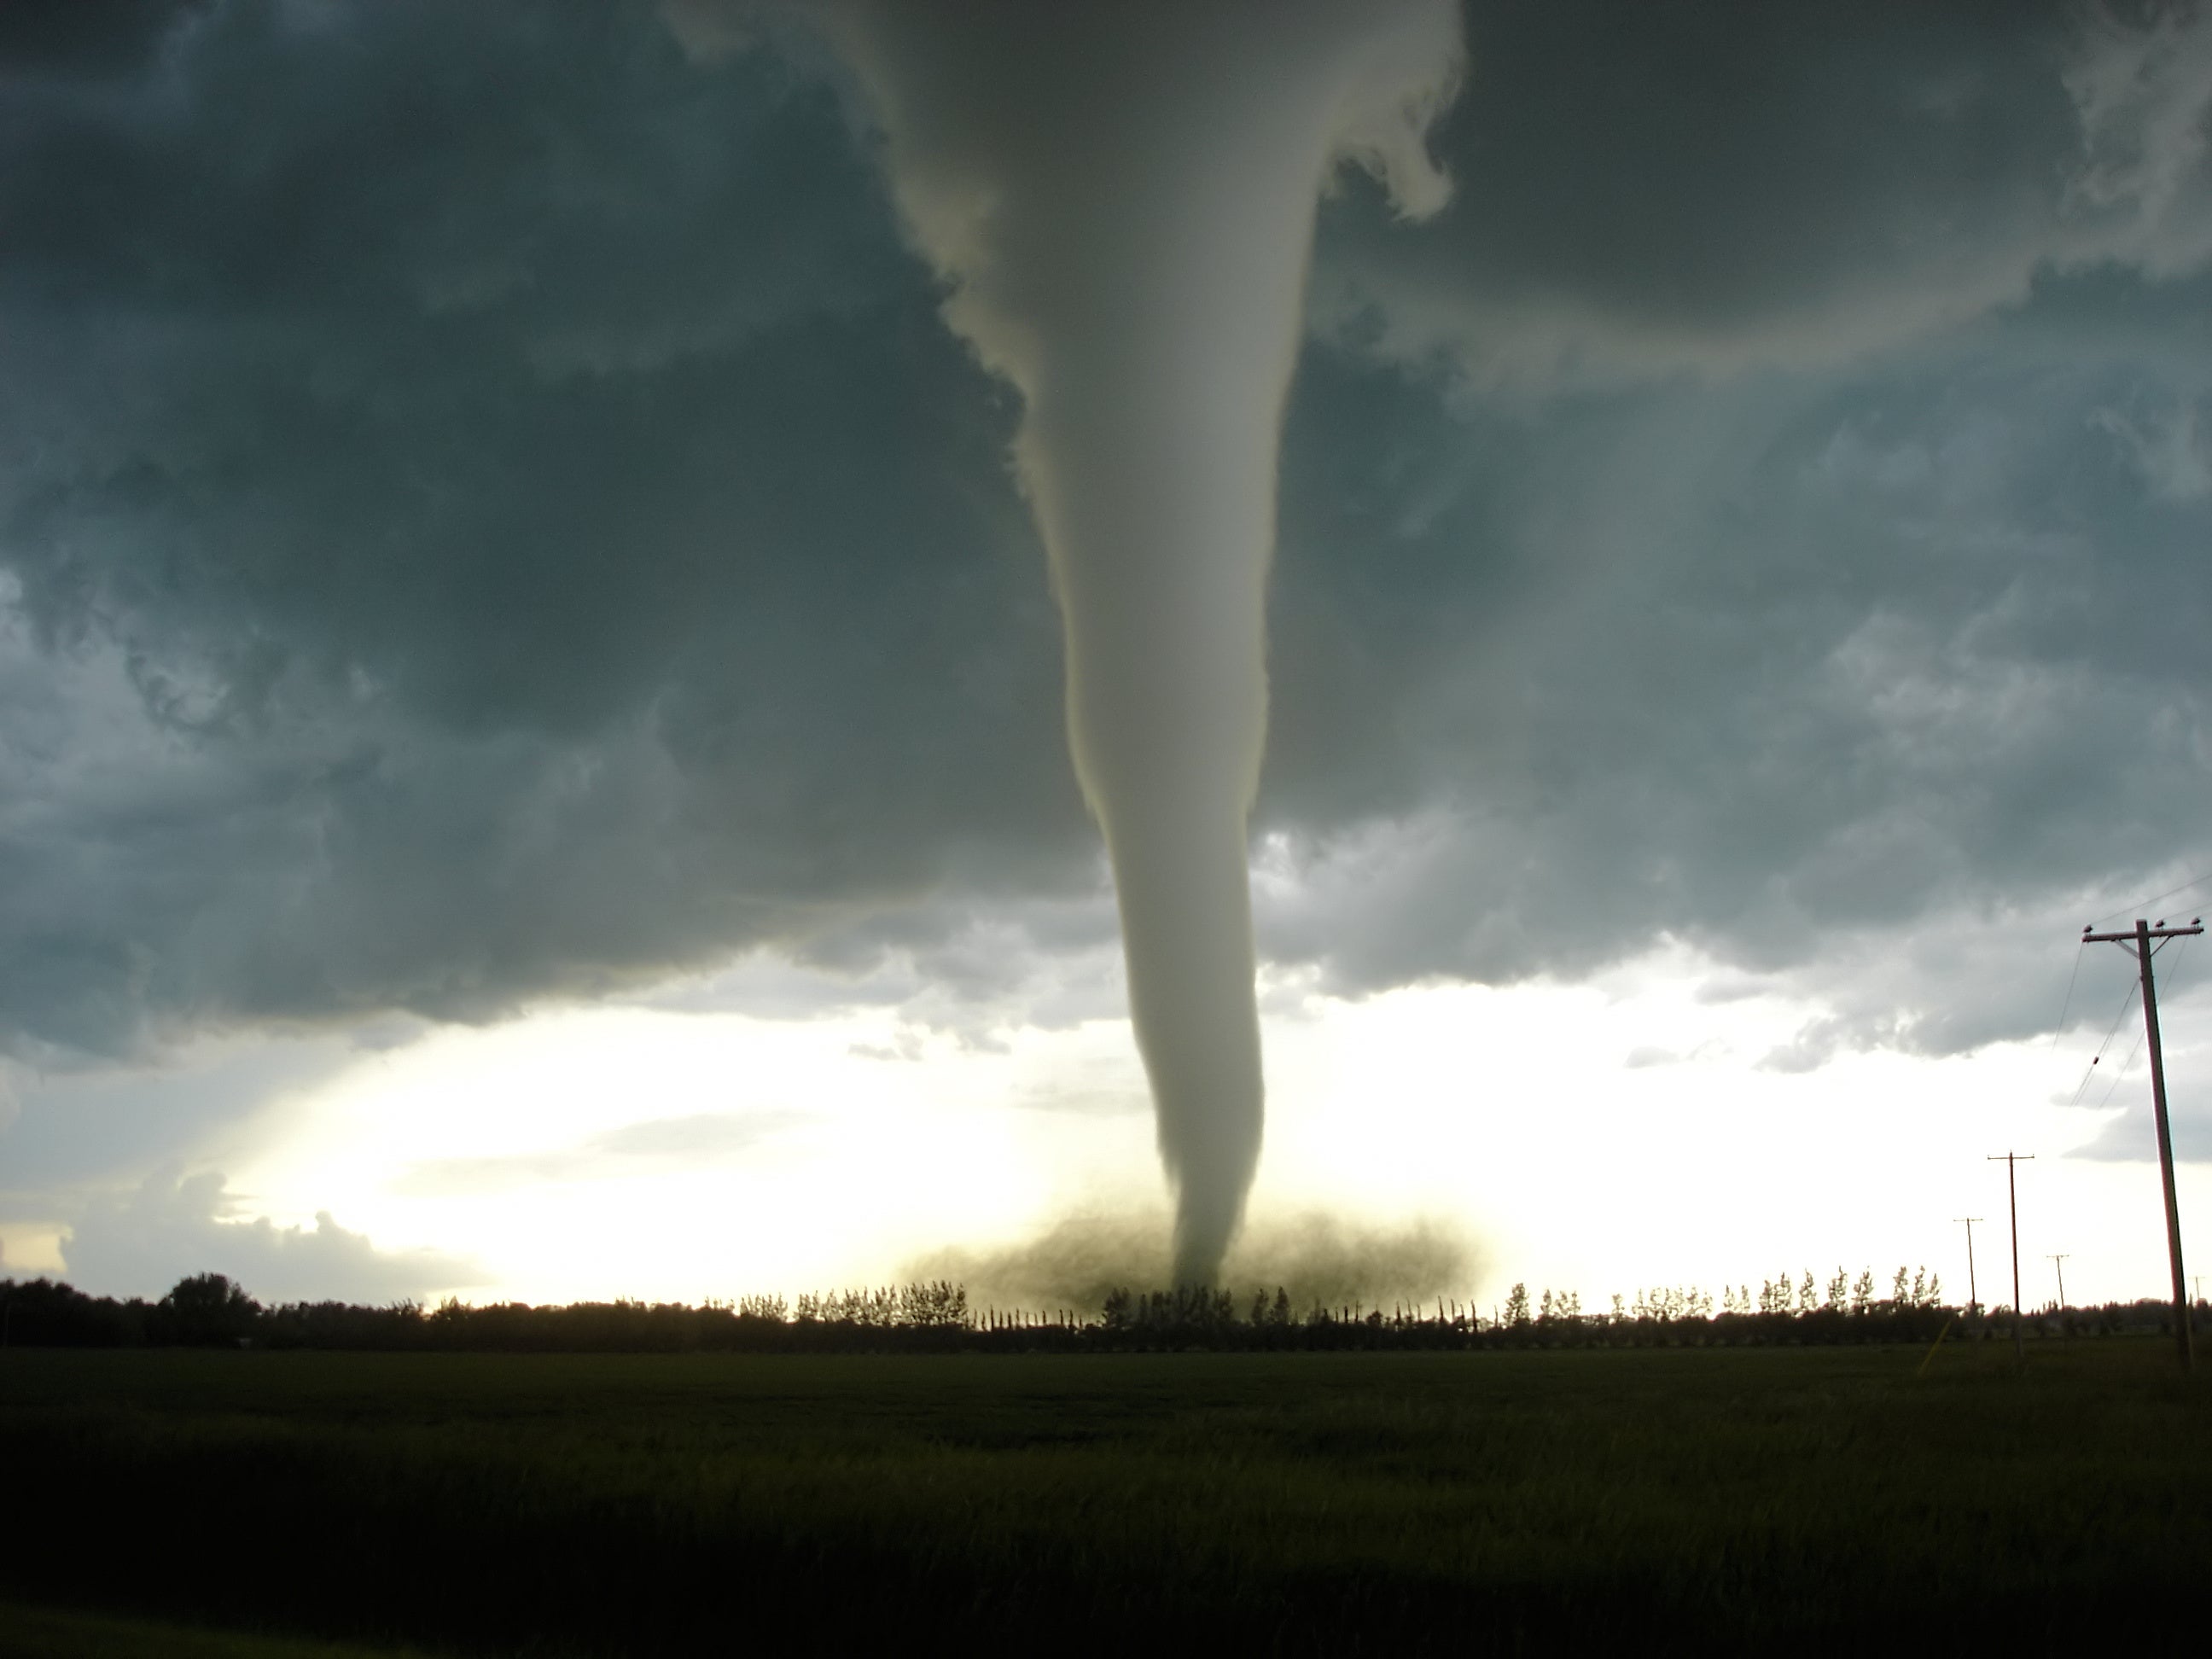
(480, 1504)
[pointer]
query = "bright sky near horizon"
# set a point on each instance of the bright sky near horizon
(531, 749)
(1633, 1130)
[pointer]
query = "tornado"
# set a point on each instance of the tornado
(1119, 198)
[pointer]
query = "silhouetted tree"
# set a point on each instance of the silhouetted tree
(937, 1305)
(41, 1313)
(207, 1310)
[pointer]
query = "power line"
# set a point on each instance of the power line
(2074, 975)
(2067, 1006)
(2120, 1076)
(2127, 1000)
(2145, 904)
(2136, 1047)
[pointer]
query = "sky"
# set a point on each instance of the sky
(532, 749)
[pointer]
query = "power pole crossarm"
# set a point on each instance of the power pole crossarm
(2139, 941)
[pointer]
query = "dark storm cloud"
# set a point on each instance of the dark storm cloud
(489, 511)
(1643, 189)
(492, 511)
(1762, 665)
(1811, 568)
(70, 37)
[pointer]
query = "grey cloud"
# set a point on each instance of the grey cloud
(176, 1224)
(2132, 1137)
(2163, 444)
(544, 544)
(1813, 1046)
(965, 962)
(84, 1127)
(1644, 190)
(519, 549)
(1762, 666)
(1648, 1054)
(70, 41)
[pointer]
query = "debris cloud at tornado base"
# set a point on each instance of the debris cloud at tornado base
(1119, 199)
(1319, 1258)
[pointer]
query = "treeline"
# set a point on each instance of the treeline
(209, 1310)
(1682, 1316)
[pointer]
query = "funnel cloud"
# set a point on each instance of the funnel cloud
(1120, 201)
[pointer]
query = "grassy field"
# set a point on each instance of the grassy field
(1737, 1498)
(36, 1633)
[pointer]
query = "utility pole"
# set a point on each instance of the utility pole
(2012, 1161)
(2139, 941)
(2060, 1262)
(1973, 1296)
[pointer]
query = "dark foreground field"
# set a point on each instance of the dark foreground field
(474, 1504)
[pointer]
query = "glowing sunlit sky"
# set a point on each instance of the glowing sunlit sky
(531, 752)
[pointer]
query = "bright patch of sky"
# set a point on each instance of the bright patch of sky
(1630, 1131)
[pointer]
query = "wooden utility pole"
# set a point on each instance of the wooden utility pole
(2012, 1162)
(2139, 941)
(1973, 1296)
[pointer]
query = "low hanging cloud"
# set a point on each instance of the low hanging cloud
(2132, 1135)
(1765, 511)
(655, 1146)
(175, 1224)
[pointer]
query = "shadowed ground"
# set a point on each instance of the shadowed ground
(1298, 1502)
(29, 1632)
